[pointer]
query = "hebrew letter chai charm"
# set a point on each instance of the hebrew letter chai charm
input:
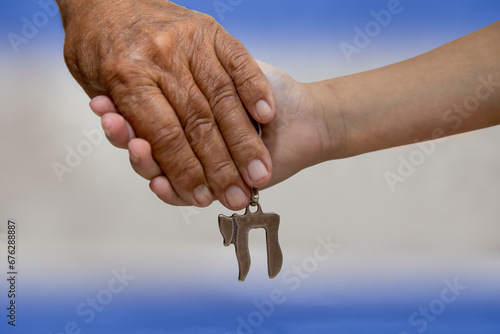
(235, 230)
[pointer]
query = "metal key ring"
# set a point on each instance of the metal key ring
(254, 201)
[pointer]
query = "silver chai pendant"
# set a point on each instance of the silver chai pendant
(235, 231)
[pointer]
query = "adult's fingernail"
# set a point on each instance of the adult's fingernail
(257, 171)
(203, 196)
(236, 197)
(263, 109)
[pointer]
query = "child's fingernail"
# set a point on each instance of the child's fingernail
(134, 158)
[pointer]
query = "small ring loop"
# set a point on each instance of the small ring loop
(258, 127)
(254, 201)
(259, 130)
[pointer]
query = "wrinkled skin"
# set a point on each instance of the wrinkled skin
(297, 138)
(184, 85)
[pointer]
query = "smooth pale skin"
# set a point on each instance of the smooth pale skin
(391, 106)
(184, 84)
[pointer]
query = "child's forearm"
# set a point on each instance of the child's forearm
(452, 89)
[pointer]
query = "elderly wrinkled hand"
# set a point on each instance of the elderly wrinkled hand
(185, 86)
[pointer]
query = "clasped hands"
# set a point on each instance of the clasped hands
(177, 90)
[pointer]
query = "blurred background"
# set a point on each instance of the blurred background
(99, 253)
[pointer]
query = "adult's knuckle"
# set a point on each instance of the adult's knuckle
(168, 149)
(163, 47)
(215, 81)
(200, 127)
(188, 168)
(240, 57)
(224, 172)
(240, 141)
(223, 96)
(244, 146)
(247, 78)
(167, 140)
